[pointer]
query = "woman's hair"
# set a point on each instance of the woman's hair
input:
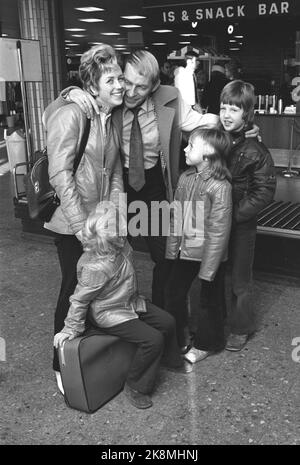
(96, 61)
(145, 64)
(240, 94)
(218, 143)
(101, 232)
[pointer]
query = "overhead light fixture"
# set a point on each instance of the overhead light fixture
(4, 35)
(239, 37)
(159, 43)
(110, 33)
(67, 40)
(91, 20)
(73, 45)
(234, 48)
(95, 43)
(232, 40)
(190, 34)
(89, 9)
(184, 43)
(162, 31)
(75, 29)
(129, 26)
(134, 17)
(78, 35)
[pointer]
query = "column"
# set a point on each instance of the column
(43, 20)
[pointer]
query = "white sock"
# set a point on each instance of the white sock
(59, 382)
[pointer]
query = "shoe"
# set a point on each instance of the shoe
(182, 369)
(59, 382)
(136, 398)
(195, 355)
(236, 342)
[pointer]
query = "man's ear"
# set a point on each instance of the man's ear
(156, 86)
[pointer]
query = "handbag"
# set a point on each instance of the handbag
(41, 196)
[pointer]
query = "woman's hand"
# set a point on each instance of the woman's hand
(254, 132)
(85, 101)
(59, 338)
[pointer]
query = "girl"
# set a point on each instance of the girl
(107, 294)
(198, 246)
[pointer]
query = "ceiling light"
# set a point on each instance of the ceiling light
(89, 8)
(4, 35)
(73, 45)
(184, 43)
(78, 35)
(128, 26)
(91, 20)
(75, 29)
(234, 48)
(125, 53)
(159, 43)
(67, 40)
(95, 43)
(190, 34)
(162, 30)
(232, 40)
(239, 37)
(110, 33)
(134, 17)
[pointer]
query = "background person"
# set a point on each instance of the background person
(186, 82)
(212, 92)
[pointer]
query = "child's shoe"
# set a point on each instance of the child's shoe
(236, 342)
(195, 355)
(136, 398)
(59, 382)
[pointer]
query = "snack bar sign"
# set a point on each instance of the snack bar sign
(227, 10)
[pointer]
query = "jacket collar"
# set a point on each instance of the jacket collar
(205, 174)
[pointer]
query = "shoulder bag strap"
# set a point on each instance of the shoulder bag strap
(82, 145)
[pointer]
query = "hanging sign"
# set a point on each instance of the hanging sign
(9, 67)
(183, 12)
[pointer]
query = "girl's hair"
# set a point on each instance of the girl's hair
(242, 95)
(218, 144)
(100, 233)
(96, 61)
(145, 64)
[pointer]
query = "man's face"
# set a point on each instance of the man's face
(138, 87)
(192, 63)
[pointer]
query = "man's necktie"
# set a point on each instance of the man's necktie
(136, 173)
(196, 88)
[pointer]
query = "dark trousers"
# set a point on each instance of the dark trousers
(69, 250)
(210, 301)
(154, 332)
(153, 190)
(241, 255)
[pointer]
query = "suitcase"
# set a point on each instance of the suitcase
(94, 368)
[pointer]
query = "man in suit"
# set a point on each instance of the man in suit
(162, 117)
(186, 81)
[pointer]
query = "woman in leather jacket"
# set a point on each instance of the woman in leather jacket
(99, 174)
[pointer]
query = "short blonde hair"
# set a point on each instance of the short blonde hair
(96, 61)
(100, 233)
(145, 64)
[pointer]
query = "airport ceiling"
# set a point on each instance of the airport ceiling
(112, 21)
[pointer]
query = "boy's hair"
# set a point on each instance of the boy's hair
(242, 95)
(145, 64)
(190, 55)
(95, 62)
(220, 143)
(100, 234)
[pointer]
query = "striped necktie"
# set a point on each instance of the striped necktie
(136, 172)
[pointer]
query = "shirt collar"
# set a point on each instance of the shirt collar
(146, 106)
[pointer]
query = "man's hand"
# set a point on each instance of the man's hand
(197, 108)
(254, 132)
(209, 121)
(59, 338)
(85, 101)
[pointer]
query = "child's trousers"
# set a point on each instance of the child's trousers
(210, 302)
(154, 332)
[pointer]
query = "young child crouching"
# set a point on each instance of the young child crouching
(107, 295)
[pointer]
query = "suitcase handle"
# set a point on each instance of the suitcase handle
(62, 354)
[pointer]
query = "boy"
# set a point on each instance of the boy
(253, 188)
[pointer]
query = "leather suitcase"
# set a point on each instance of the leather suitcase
(94, 368)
